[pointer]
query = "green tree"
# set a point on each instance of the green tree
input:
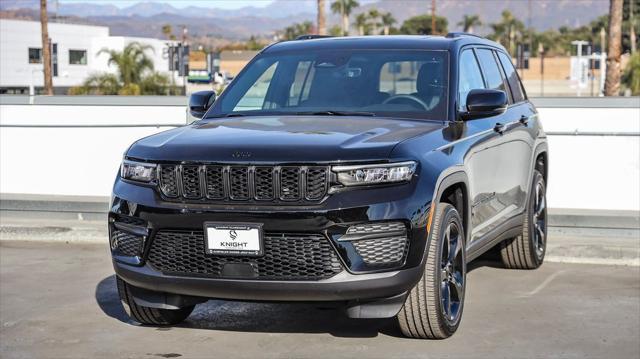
(374, 20)
(363, 25)
(134, 74)
(336, 30)
(469, 22)
(295, 30)
(387, 21)
(344, 8)
(131, 63)
(631, 75)
(421, 25)
(508, 31)
(167, 31)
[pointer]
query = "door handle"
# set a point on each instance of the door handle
(524, 120)
(499, 128)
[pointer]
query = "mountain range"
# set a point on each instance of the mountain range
(146, 18)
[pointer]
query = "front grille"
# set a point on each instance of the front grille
(286, 256)
(382, 250)
(126, 243)
(244, 183)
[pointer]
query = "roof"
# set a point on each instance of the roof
(423, 42)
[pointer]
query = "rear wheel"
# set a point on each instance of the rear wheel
(527, 250)
(433, 308)
(148, 315)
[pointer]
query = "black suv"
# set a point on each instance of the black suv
(363, 171)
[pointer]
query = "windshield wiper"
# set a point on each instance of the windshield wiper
(335, 113)
(224, 115)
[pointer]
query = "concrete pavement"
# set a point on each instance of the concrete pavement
(59, 300)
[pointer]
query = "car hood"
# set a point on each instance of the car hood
(281, 139)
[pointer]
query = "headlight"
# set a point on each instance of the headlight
(372, 174)
(138, 171)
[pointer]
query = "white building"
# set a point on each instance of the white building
(74, 55)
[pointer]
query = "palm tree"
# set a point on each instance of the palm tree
(507, 31)
(167, 31)
(362, 23)
(344, 8)
(612, 82)
(46, 49)
(322, 23)
(134, 74)
(374, 14)
(387, 21)
(468, 22)
(131, 63)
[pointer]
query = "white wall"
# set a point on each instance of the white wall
(17, 36)
(588, 172)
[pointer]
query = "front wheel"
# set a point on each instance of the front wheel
(433, 308)
(148, 315)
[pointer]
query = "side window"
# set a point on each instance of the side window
(491, 70)
(470, 77)
(514, 82)
(254, 99)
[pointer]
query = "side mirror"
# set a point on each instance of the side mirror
(485, 103)
(199, 102)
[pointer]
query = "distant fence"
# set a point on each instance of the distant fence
(73, 145)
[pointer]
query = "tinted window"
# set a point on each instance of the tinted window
(77, 57)
(470, 77)
(35, 55)
(490, 69)
(514, 82)
(399, 83)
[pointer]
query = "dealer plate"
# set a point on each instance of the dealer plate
(233, 239)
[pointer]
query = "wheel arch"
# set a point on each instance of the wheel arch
(453, 188)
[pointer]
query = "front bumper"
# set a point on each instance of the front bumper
(331, 218)
(341, 287)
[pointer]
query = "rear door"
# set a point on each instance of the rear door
(522, 116)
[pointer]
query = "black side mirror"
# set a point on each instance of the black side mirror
(199, 102)
(485, 103)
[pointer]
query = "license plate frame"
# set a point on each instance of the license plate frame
(219, 239)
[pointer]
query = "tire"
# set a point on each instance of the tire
(422, 315)
(527, 250)
(147, 315)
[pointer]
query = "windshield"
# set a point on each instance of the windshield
(389, 83)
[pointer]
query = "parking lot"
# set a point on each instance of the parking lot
(59, 300)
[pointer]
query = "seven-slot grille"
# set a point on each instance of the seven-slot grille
(244, 183)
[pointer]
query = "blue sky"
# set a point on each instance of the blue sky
(225, 4)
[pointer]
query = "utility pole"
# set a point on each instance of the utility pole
(322, 25)
(46, 49)
(433, 17)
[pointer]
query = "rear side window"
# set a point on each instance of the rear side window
(514, 82)
(470, 77)
(491, 70)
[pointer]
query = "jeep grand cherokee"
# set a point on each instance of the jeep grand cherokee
(365, 171)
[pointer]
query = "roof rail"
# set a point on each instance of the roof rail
(311, 36)
(453, 35)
